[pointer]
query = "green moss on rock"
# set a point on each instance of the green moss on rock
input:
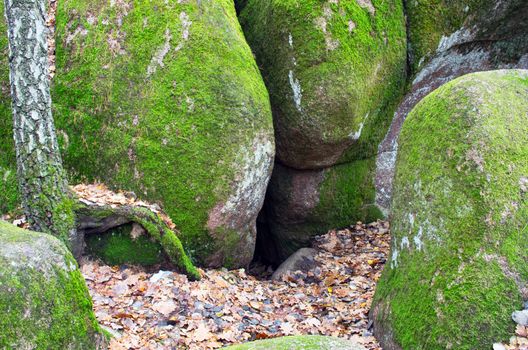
(458, 265)
(44, 301)
(165, 99)
(333, 69)
(117, 247)
(299, 343)
(9, 199)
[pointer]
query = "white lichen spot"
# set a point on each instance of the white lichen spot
(394, 258)
(418, 239)
(404, 243)
(190, 103)
(356, 135)
(157, 59)
(7, 173)
(351, 26)
(523, 184)
(411, 220)
(322, 23)
(367, 4)
(186, 25)
(290, 40)
(296, 89)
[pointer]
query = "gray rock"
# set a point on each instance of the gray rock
(520, 317)
(303, 260)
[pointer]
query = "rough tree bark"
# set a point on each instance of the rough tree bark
(46, 199)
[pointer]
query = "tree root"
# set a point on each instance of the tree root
(97, 219)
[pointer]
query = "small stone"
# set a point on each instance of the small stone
(498, 346)
(520, 317)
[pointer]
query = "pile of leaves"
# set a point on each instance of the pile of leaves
(163, 310)
(517, 342)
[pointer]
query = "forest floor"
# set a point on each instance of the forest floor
(163, 310)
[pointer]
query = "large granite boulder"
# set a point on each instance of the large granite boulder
(458, 266)
(44, 301)
(449, 39)
(299, 343)
(165, 99)
(333, 70)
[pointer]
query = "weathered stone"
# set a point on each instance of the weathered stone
(302, 260)
(299, 343)
(334, 70)
(448, 40)
(458, 267)
(44, 301)
(305, 203)
(165, 99)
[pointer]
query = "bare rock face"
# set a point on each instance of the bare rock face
(304, 203)
(43, 297)
(448, 41)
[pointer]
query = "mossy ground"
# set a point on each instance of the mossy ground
(353, 68)
(117, 247)
(173, 135)
(44, 301)
(298, 343)
(459, 217)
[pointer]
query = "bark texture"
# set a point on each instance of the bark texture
(43, 186)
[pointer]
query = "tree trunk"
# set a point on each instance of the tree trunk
(45, 196)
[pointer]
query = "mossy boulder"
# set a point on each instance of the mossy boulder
(448, 39)
(304, 203)
(333, 70)
(458, 265)
(9, 198)
(44, 301)
(165, 99)
(299, 343)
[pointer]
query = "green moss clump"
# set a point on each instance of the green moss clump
(44, 301)
(333, 70)
(304, 342)
(164, 99)
(117, 247)
(458, 263)
(9, 198)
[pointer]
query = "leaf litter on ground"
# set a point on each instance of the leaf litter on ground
(163, 310)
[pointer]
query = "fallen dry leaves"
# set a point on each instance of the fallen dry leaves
(163, 310)
(517, 342)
